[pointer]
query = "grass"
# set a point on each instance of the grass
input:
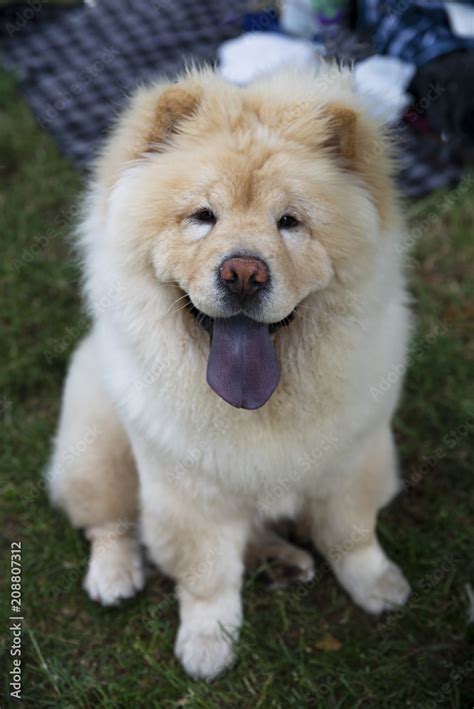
(303, 647)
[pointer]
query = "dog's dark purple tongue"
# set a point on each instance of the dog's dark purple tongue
(242, 367)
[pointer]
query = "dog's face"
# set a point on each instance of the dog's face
(248, 207)
(240, 235)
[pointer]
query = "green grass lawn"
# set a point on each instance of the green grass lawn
(309, 646)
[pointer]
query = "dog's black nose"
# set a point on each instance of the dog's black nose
(244, 275)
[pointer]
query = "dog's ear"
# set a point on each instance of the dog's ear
(333, 126)
(356, 141)
(146, 125)
(173, 105)
(341, 131)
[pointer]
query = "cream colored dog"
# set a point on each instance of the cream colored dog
(243, 266)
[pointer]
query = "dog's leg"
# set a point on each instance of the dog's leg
(297, 565)
(92, 477)
(115, 566)
(202, 548)
(343, 527)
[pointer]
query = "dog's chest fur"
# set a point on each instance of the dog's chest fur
(270, 456)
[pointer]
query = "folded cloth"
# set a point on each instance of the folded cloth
(254, 53)
(383, 81)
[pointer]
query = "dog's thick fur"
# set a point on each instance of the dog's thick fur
(143, 442)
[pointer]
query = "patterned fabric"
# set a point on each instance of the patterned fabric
(77, 67)
(425, 163)
(413, 30)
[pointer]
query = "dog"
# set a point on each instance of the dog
(243, 257)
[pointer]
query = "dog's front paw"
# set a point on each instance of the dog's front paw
(207, 633)
(388, 591)
(374, 583)
(204, 654)
(115, 572)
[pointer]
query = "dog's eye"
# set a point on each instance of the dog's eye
(288, 221)
(204, 216)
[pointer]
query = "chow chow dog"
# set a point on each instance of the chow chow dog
(243, 265)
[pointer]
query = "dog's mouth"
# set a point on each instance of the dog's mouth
(207, 322)
(242, 367)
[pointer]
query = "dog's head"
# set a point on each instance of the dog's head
(249, 200)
